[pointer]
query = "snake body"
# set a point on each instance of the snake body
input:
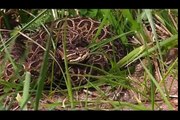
(79, 33)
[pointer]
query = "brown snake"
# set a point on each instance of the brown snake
(79, 34)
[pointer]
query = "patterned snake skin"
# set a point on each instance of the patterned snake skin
(78, 33)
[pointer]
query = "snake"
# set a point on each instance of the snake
(77, 34)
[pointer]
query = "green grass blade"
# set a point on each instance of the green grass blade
(118, 104)
(158, 87)
(16, 34)
(172, 41)
(26, 91)
(152, 24)
(55, 14)
(68, 78)
(131, 56)
(101, 25)
(129, 16)
(42, 76)
(168, 73)
(9, 56)
(100, 44)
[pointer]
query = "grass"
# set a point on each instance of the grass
(68, 78)
(125, 23)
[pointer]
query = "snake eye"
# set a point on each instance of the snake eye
(77, 53)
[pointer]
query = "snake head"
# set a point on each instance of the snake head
(79, 54)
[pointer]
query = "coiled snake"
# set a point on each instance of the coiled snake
(79, 33)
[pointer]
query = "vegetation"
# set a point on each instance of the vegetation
(150, 38)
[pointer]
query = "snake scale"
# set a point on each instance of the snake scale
(79, 33)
